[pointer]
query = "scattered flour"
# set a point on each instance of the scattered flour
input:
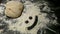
(30, 9)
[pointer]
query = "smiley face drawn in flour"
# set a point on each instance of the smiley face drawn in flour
(30, 21)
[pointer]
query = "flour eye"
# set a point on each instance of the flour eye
(26, 21)
(30, 17)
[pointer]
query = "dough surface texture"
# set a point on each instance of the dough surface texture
(13, 9)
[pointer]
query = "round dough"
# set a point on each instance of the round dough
(13, 9)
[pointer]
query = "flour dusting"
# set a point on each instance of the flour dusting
(41, 10)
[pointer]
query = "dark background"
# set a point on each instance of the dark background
(55, 6)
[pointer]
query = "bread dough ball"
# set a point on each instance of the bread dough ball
(13, 9)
